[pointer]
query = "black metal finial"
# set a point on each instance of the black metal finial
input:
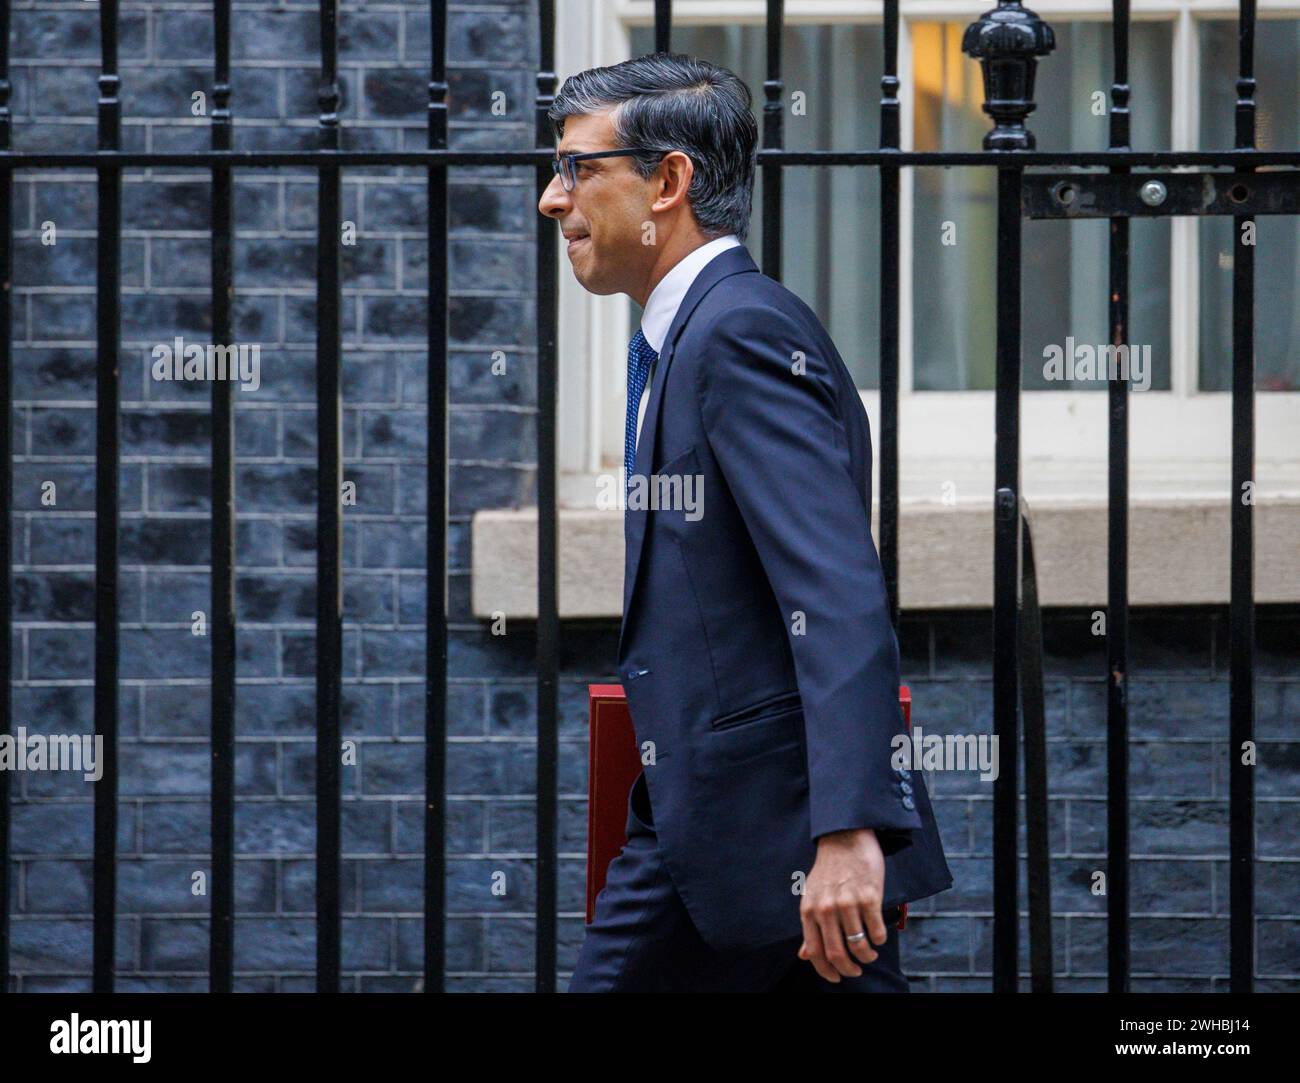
(1007, 41)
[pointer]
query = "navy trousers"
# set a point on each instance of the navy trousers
(642, 939)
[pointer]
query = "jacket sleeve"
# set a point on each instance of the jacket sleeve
(783, 451)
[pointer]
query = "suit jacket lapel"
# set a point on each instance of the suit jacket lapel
(732, 261)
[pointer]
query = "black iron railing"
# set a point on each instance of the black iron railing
(1008, 41)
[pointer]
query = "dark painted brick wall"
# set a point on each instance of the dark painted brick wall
(1179, 687)
(1178, 726)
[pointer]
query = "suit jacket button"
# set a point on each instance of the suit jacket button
(908, 803)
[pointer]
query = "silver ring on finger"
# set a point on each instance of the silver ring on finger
(855, 936)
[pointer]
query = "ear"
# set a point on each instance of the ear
(672, 178)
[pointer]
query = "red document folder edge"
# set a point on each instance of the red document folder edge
(614, 761)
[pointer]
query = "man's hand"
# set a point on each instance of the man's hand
(841, 897)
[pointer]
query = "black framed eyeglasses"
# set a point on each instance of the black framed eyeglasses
(563, 165)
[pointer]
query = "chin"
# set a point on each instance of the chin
(594, 285)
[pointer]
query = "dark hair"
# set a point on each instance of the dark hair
(670, 101)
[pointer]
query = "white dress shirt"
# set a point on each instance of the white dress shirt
(666, 298)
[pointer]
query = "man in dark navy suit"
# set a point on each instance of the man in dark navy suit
(771, 841)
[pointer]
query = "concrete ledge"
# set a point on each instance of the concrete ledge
(1178, 555)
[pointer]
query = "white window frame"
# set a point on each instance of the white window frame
(1180, 439)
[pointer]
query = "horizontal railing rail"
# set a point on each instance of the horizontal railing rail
(314, 159)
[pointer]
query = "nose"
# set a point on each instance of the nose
(555, 200)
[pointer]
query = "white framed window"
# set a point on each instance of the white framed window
(1180, 267)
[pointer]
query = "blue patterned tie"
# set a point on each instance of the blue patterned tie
(640, 356)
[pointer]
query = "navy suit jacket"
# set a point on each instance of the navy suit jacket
(757, 654)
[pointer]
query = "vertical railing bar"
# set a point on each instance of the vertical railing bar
(6, 481)
(890, 134)
(773, 139)
(1007, 42)
(548, 623)
(1037, 820)
(435, 688)
(1117, 750)
(222, 624)
(663, 25)
(329, 520)
(1241, 605)
(108, 396)
(1006, 582)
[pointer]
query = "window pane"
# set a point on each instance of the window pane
(831, 216)
(1277, 237)
(1064, 295)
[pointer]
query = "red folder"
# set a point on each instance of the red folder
(614, 761)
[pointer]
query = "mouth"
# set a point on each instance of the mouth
(575, 240)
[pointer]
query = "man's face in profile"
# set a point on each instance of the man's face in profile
(602, 217)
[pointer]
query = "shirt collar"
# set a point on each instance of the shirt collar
(666, 298)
